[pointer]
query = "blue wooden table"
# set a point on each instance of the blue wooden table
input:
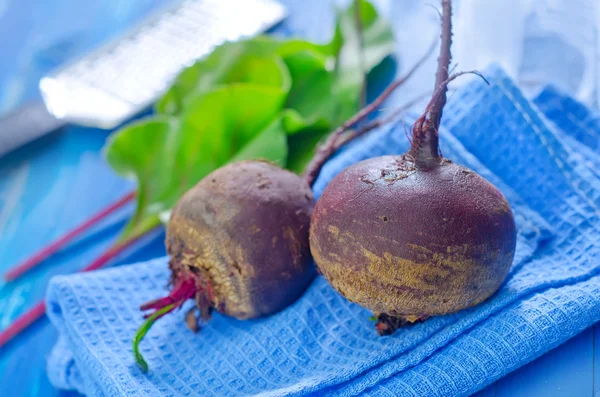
(50, 186)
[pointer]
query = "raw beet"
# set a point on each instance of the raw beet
(242, 235)
(411, 243)
(238, 243)
(414, 235)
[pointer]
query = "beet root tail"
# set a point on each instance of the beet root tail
(387, 325)
(184, 289)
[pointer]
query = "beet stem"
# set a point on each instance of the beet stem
(113, 252)
(36, 312)
(142, 331)
(444, 61)
(425, 143)
(334, 142)
(181, 291)
(23, 322)
(352, 134)
(184, 289)
(361, 54)
(58, 244)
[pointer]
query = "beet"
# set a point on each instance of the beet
(414, 235)
(238, 243)
(242, 235)
(412, 243)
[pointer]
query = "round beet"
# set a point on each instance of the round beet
(411, 243)
(238, 243)
(414, 235)
(242, 235)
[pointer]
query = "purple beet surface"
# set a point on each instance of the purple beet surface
(242, 235)
(412, 243)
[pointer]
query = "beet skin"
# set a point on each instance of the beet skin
(242, 235)
(412, 243)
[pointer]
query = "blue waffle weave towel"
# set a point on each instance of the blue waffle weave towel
(324, 344)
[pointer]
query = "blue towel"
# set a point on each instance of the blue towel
(323, 344)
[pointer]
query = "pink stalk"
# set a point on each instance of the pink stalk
(37, 311)
(55, 246)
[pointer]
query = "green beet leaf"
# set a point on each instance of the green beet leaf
(311, 90)
(233, 62)
(270, 144)
(354, 61)
(302, 146)
(344, 83)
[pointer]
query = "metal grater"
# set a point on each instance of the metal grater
(107, 87)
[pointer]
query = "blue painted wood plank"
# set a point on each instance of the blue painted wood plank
(566, 371)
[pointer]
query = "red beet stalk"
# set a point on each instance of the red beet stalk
(184, 289)
(336, 139)
(55, 246)
(35, 313)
